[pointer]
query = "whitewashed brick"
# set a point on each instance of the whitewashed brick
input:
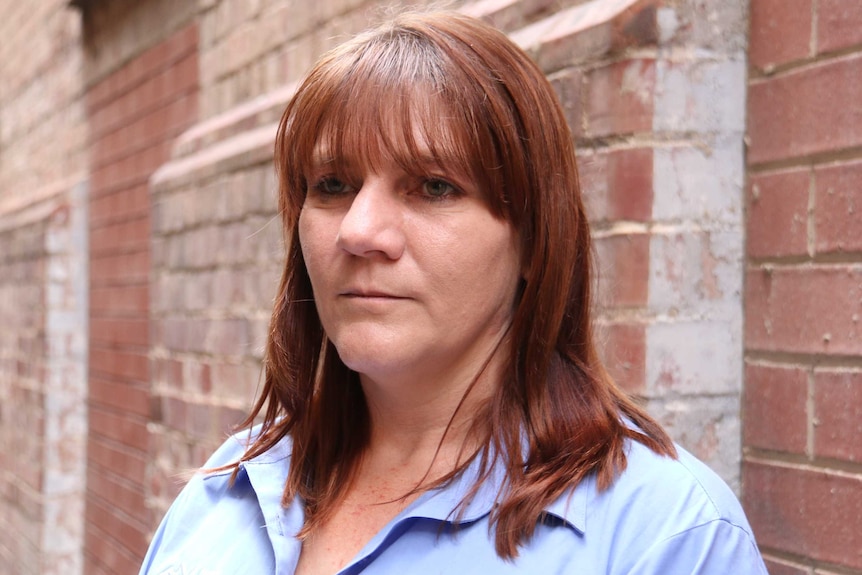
(700, 95)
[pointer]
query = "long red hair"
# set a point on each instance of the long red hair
(476, 99)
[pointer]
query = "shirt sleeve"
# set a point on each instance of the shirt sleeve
(161, 537)
(714, 548)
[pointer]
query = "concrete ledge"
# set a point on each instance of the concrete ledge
(589, 31)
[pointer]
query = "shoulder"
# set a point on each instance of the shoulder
(685, 482)
(663, 515)
(214, 498)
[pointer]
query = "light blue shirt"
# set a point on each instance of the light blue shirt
(660, 517)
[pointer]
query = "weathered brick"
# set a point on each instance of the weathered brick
(702, 424)
(623, 264)
(780, 567)
(569, 86)
(693, 270)
(619, 98)
(805, 511)
(698, 184)
(588, 30)
(839, 25)
(780, 31)
(838, 414)
(838, 208)
(801, 95)
(775, 413)
(618, 184)
(692, 357)
(808, 309)
(623, 350)
(778, 214)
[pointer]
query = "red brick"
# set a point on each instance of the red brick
(568, 85)
(838, 207)
(805, 512)
(619, 98)
(838, 412)
(617, 185)
(779, 567)
(114, 456)
(777, 223)
(775, 414)
(807, 309)
(173, 412)
(119, 237)
(122, 396)
(623, 350)
(780, 31)
(125, 301)
(116, 540)
(839, 24)
(623, 264)
(168, 372)
(115, 363)
(809, 111)
(124, 269)
(126, 496)
(119, 427)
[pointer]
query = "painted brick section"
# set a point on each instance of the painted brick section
(23, 355)
(136, 112)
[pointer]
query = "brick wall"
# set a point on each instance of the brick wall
(22, 365)
(135, 112)
(43, 384)
(185, 245)
(42, 294)
(655, 96)
(803, 333)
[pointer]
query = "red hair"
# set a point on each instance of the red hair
(476, 99)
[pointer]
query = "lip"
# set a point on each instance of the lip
(370, 294)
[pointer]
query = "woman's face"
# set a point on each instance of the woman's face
(413, 276)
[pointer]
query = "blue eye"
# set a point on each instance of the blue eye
(438, 189)
(332, 186)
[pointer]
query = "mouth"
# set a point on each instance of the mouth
(369, 294)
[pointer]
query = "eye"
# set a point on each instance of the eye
(438, 189)
(330, 185)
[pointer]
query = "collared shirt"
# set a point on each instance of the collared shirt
(660, 517)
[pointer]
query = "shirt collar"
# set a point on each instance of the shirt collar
(267, 474)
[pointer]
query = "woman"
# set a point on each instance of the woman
(433, 400)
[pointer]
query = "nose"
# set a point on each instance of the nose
(372, 226)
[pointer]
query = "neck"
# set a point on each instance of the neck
(430, 419)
